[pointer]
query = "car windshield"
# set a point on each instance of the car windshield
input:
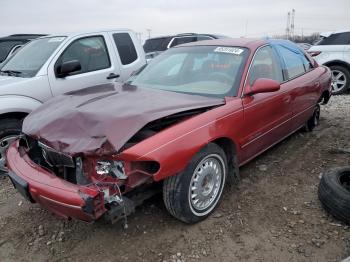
(201, 70)
(31, 57)
(6, 47)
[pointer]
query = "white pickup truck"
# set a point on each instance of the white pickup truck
(56, 64)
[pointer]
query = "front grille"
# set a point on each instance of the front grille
(60, 164)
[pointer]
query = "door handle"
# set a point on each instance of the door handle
(112, 75)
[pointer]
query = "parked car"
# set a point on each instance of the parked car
(185, 123)
(155, 46)
(57, 64)
(333, 50)
(305, 46)
(10, 44)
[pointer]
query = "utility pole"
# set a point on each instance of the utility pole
(302, 34)
(292, 24)
(149, 33)
(288, 25)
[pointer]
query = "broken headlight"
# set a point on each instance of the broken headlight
(114, 169)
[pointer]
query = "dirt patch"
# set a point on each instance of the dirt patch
(272, 215)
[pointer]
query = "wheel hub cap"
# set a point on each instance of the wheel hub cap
(338, 80)
(4, 144)
(206, 182)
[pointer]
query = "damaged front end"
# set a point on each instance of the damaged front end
(80, 187)
(73, 159)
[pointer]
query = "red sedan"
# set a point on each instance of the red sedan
(183, 124)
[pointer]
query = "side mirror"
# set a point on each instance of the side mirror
(67, 68)
(263, 85)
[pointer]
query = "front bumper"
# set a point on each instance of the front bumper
(39, 185)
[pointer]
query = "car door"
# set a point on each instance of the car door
(130, 58)
(266, 115)
(98, 65)
(303, 80)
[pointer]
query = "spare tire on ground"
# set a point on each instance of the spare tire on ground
(334, 193)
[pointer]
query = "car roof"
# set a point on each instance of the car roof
(187, 34)
(92, 31)
(21, 37)
(328, 33)
(251, 43)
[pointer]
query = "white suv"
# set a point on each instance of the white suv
(333, 50)
(56, 64)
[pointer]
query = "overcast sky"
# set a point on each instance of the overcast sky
(252, 18)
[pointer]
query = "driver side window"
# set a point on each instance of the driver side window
(91, 52)
(265, 65)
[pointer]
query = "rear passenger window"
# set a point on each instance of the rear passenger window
(307, 64)
(265, 65)
(126, 48)
(293, 62)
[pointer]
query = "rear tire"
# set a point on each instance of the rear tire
(314, 120)
(340, 79)
(193, 195)
(334, 193)
(9, 130)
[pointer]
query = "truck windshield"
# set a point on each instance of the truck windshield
(31, 57)
(200, 70)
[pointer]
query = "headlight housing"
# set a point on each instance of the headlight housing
(115, 169)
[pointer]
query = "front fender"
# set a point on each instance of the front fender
(174, 147)
(16, 103)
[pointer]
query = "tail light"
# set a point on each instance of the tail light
(314, 53)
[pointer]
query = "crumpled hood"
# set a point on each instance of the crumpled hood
(99, 120)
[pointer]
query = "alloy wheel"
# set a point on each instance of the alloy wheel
(206, 184)
(338, 81)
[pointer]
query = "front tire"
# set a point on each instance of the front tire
(193, 195)
(340, 79)
(9, 131)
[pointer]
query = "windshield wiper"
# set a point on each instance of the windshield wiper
(11, 72)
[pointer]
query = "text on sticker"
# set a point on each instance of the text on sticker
(56, 39)
(229, 50)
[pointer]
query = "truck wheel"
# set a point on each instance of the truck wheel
(194, 193)
(9, 130)
(314, 120)
(334, 193)
(340, 79)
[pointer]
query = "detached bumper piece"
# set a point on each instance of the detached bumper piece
(120, 210)
(21, 185)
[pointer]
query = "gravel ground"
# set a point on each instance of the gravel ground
(272, 215)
